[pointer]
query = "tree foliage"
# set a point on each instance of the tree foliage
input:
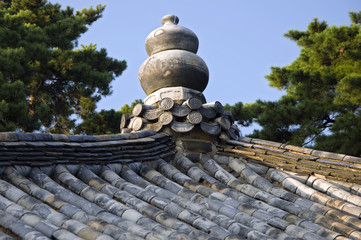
(322, 105)
(105, 121)
(46, 80)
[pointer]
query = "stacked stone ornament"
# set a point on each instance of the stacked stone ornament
(174, 77)
(172, 59)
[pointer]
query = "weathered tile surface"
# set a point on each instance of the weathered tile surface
(133, 186)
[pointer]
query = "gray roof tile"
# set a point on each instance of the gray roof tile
(64, 234)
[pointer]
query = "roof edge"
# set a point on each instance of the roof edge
(254, 143)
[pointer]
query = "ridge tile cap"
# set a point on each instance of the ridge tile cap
(60, 137)
(325, 154)
(9, 137)
(245, 139)
(76, 138)
(266, 142)
(24, 137)
(238, 143)
(352, 159)
(298, 149)
(47, 137)
(41, 136)
(87, 138)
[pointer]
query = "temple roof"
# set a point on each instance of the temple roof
(146, 186)
(178, 170)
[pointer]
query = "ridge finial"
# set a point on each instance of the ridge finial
(170, 19)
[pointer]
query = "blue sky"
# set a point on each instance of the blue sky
(239, 40)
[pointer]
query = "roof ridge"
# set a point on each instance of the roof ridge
(292, 148)
(38, 137)
(123, 148)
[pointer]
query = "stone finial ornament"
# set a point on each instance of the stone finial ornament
(174, 77)
(172, 59)
(171, 36)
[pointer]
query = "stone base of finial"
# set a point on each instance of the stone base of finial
(178, 94)
(182, 117)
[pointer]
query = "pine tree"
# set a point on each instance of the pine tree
(46, 79)
(322, 107)
(105, 121)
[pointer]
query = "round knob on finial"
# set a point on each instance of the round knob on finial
(170, 19)
(171, 36)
